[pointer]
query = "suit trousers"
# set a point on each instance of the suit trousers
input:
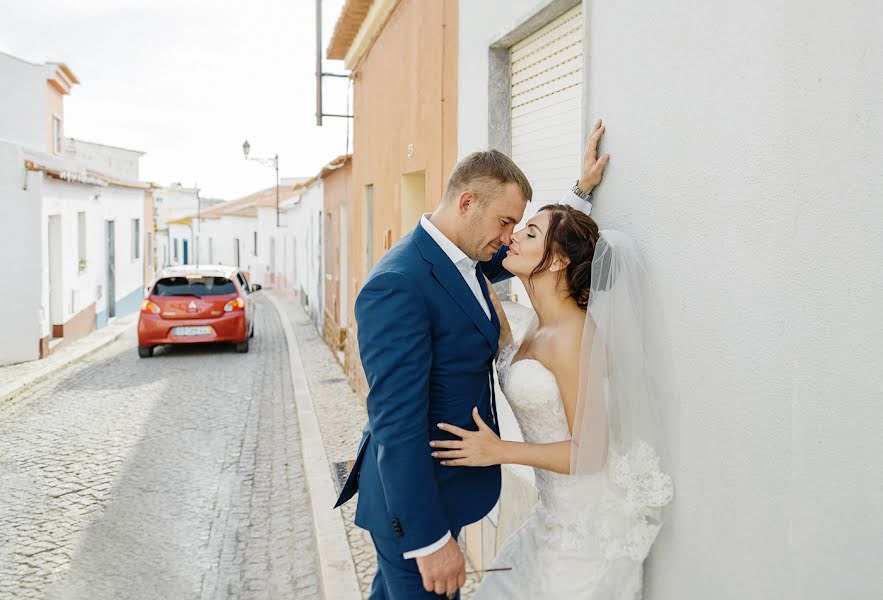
(396, 577)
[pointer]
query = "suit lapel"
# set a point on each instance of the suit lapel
(495, 320)
(454, 284)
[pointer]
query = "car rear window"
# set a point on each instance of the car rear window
(194, 286)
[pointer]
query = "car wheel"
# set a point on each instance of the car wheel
(145, 351)
(242, 347)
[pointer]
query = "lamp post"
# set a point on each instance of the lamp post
(267, 162)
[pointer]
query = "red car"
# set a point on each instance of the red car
(193, 304)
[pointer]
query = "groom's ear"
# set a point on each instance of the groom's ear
(465, 200)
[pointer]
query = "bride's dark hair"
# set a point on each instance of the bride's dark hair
(572, 234)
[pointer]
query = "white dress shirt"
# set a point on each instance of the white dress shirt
(466, 266)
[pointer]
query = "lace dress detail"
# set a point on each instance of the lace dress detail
(588, 536)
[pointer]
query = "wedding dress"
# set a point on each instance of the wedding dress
(588, 536)
(589, 533)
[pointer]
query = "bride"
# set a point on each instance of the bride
(585, 384)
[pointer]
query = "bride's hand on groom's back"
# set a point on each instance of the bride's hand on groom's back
(481, 448)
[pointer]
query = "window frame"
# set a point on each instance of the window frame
(136, 239)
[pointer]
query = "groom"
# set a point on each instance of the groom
(428, 336)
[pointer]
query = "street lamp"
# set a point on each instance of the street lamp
(267, 162)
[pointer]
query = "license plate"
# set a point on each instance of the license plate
(191, 331)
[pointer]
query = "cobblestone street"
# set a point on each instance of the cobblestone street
(178, 476)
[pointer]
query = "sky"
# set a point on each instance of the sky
(187, 81)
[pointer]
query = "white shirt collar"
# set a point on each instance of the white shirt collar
(448, 247)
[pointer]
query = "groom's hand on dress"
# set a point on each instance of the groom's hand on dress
(593, 167)
(443, 571)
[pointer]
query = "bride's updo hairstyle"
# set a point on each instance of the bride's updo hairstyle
(572, 234)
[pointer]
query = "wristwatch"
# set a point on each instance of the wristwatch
(587, 196)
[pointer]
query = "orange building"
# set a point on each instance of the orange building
(403, 58)
(337, 176)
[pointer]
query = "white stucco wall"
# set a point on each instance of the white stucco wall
(747, 146)
(304, 221)
(226, 230)
(24, 102)
(78, 288)
(122, 205)
(173, 202)
(20, 307)
(180, 232)
(120, 163)
(481, 24)
(101, 204)
(748, 165)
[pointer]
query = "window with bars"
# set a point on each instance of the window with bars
(81, 241)
(136, 239)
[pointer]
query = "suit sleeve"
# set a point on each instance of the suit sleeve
(493, 268)
(395, 343)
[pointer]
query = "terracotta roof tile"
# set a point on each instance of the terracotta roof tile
(348, 23)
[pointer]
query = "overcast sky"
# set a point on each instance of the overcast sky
(186, 81)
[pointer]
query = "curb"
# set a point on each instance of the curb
(337, 571)
(7, 392)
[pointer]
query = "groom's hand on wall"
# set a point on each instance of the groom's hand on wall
(443, 571)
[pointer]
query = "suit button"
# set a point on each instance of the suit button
(397, 528)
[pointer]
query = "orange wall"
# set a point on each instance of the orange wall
(55, 109)
(338, 186)
(405, 95)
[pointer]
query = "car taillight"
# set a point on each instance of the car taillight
(236, 303)
(148, 306)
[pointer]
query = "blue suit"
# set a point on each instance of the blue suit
(427, 348)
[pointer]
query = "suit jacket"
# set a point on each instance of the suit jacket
(427, 348)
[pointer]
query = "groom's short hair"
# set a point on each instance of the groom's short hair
(482, 170)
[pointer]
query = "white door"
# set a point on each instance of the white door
(546, 111)
(56, 301)
(344, 264)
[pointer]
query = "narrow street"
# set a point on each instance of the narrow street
(178, 476)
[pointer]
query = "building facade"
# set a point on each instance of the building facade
(337, 238)
(71, 212)
(746, 162)
(403, 58)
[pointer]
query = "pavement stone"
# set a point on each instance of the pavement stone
(341, 419)
(14, 378)
(178, 476)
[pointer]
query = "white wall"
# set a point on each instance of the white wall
(78, 288)
(481, 24)
(174, 202)
(101, 204)
(24, 105)
(120, 163)
(305, 222)
(122, 205)
(747, 146)
(224, 231)
(20, 306)
(177, 231)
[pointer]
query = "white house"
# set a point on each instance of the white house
(175, 242)
(241, 232)
(300, 260)
(747, 163)
(72, 218)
